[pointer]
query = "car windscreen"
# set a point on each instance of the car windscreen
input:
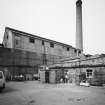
(1, 75)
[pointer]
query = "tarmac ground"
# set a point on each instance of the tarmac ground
(37, 93)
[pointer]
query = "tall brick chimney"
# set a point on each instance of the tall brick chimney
(79, 37)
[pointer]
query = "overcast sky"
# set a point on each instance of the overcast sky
(56, 20)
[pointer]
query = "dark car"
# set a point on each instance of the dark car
(35, 77)
(96, 82)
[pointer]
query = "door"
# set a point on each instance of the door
(47, 76)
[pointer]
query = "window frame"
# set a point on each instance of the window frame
(75, 51)
(52, 45)
(16, 41)
(79, 52)
(43, 43)
(31, 40)
(68, 49)
(89, 73)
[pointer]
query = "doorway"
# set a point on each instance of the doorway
(47, 76)
(83, 77)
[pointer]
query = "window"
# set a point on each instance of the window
(68, 49)
(51, 45)
(89, 73)
(7, 36)
(79, 52)
(42, 42)
(1, 75)
(75, 51)
(31, 40)
(16, 42)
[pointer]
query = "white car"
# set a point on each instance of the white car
(2, 80)
(84, 84)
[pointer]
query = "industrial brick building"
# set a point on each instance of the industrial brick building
(89, 68)
(33, 50)
(27, 42)
(23, 53)
(84, 68)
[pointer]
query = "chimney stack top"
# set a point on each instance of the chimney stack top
(79, 3)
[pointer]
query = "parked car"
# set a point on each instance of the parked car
(84, 83)
(18, 78)
(96, 82)
(2, 80)
(35, 77)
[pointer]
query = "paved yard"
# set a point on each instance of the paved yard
(36, 93)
